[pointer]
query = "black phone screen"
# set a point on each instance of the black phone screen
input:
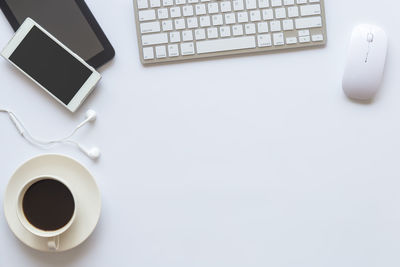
(50, 65)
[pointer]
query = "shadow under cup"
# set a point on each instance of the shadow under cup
(46, 206)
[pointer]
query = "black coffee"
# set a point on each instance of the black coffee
(48, 205)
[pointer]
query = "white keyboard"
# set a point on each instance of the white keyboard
(173, 30)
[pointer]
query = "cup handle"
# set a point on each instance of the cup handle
(54, 243)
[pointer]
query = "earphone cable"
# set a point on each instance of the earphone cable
(93, 153)
(35, 141)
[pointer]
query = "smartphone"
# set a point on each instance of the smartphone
(51, 65)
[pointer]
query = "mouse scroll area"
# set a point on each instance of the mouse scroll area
(370, 37)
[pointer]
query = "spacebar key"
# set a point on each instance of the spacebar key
(228, 44)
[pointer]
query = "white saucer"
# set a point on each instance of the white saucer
(83, 187)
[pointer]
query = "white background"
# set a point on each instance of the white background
(243, 161)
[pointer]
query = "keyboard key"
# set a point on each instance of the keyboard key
(304, 39)
(263, 3)
(264, 40)
(192, 23)
(174, 37)
(226, 6)
(268, 14)
(152, 39)
(187, 36)
(287, 25)
(173, 50)
(225, 31)
(187, 11)
(175, 12)
(162, 13)
(212, 33)
(310, 10)
(201, 9)
(255, 15)
(200, 34)
(180, 24)
(168, 2)
(155, 3)
(213, 8)
(167, 25)
(276, 3)
(288, 2)
(145, 15)
(230, 18)
(280, 13)
(238, 5)
(217, 20)
(250, 28)
(291, 40)
(205, 21)
(141, 4)
(251, 4)
(148, 53)
(304, 32)
(293, 11)
(187, 49)
(161, 52)
(262, 27)
(148, 27)
(242, 17)
(225, 44)
(317, 38)
(275, 26)
(237, 30)
(278, 39)
(309, 22)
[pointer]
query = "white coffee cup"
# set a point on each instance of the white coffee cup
(52, 236)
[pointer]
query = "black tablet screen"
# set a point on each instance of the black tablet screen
(64, 20)
(50, 65)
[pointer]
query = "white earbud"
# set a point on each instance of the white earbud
(93, 153)
(90, 117)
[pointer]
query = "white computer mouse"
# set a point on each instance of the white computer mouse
(365, 62)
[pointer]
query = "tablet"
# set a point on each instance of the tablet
(70, 21)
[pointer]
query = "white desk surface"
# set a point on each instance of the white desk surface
(243, 161)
